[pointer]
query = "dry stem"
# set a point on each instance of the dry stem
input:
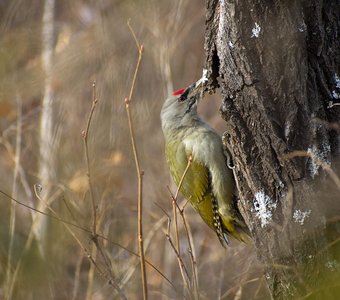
(85, 137)
(191, 254)
(97, 249)
(12, 224)
(140, 173)
(174, 205)
(65, 222)
(94, 264)
(194, 284)
(77, 277)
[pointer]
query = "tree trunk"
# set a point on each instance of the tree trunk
(278, 64)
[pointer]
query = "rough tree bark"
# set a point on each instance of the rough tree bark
(277, 64)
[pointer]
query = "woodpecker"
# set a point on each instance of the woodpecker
(208, 183)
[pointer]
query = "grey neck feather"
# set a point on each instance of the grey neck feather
(176, 118)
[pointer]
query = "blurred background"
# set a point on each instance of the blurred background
(50, 54)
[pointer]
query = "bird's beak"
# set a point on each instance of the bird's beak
(195, 85)
(203, 79)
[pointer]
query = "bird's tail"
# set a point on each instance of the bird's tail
(241, 233)
(236, 228)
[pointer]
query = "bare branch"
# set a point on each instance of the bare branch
(86, 146)
(140, 173)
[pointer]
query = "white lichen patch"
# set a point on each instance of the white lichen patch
(300, 216)
(302, 27)
(333, 265)
(221, 31)
(287, 129)
(337, 80)
(336, 94)
(256, 31)
(263, 206)
(321, 153)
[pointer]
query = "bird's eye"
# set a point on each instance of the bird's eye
(184, 95)
(181, 98)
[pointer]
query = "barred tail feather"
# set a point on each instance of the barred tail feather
(217, 222)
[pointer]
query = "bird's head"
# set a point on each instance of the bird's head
(180, 108)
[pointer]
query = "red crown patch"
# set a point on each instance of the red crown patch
(179, 92)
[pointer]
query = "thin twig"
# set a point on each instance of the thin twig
(332, 104)
(28, 242)
(174, 202)
(87, 231)
(77, 277)
(12, 224)
(18, 266)
(191, 248)
(85, 137)
(45, 213)
(180, 260)
(316, 160)
(90, 273)
(106, 258)
(194, 285)
(97, 249)
(140, 173)
(191, 255)
(91, 257)
(183, 176)
(181, 211)
(174, 209)
(238, 286)
(69, 210)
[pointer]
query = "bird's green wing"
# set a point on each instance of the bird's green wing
(195, 185)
